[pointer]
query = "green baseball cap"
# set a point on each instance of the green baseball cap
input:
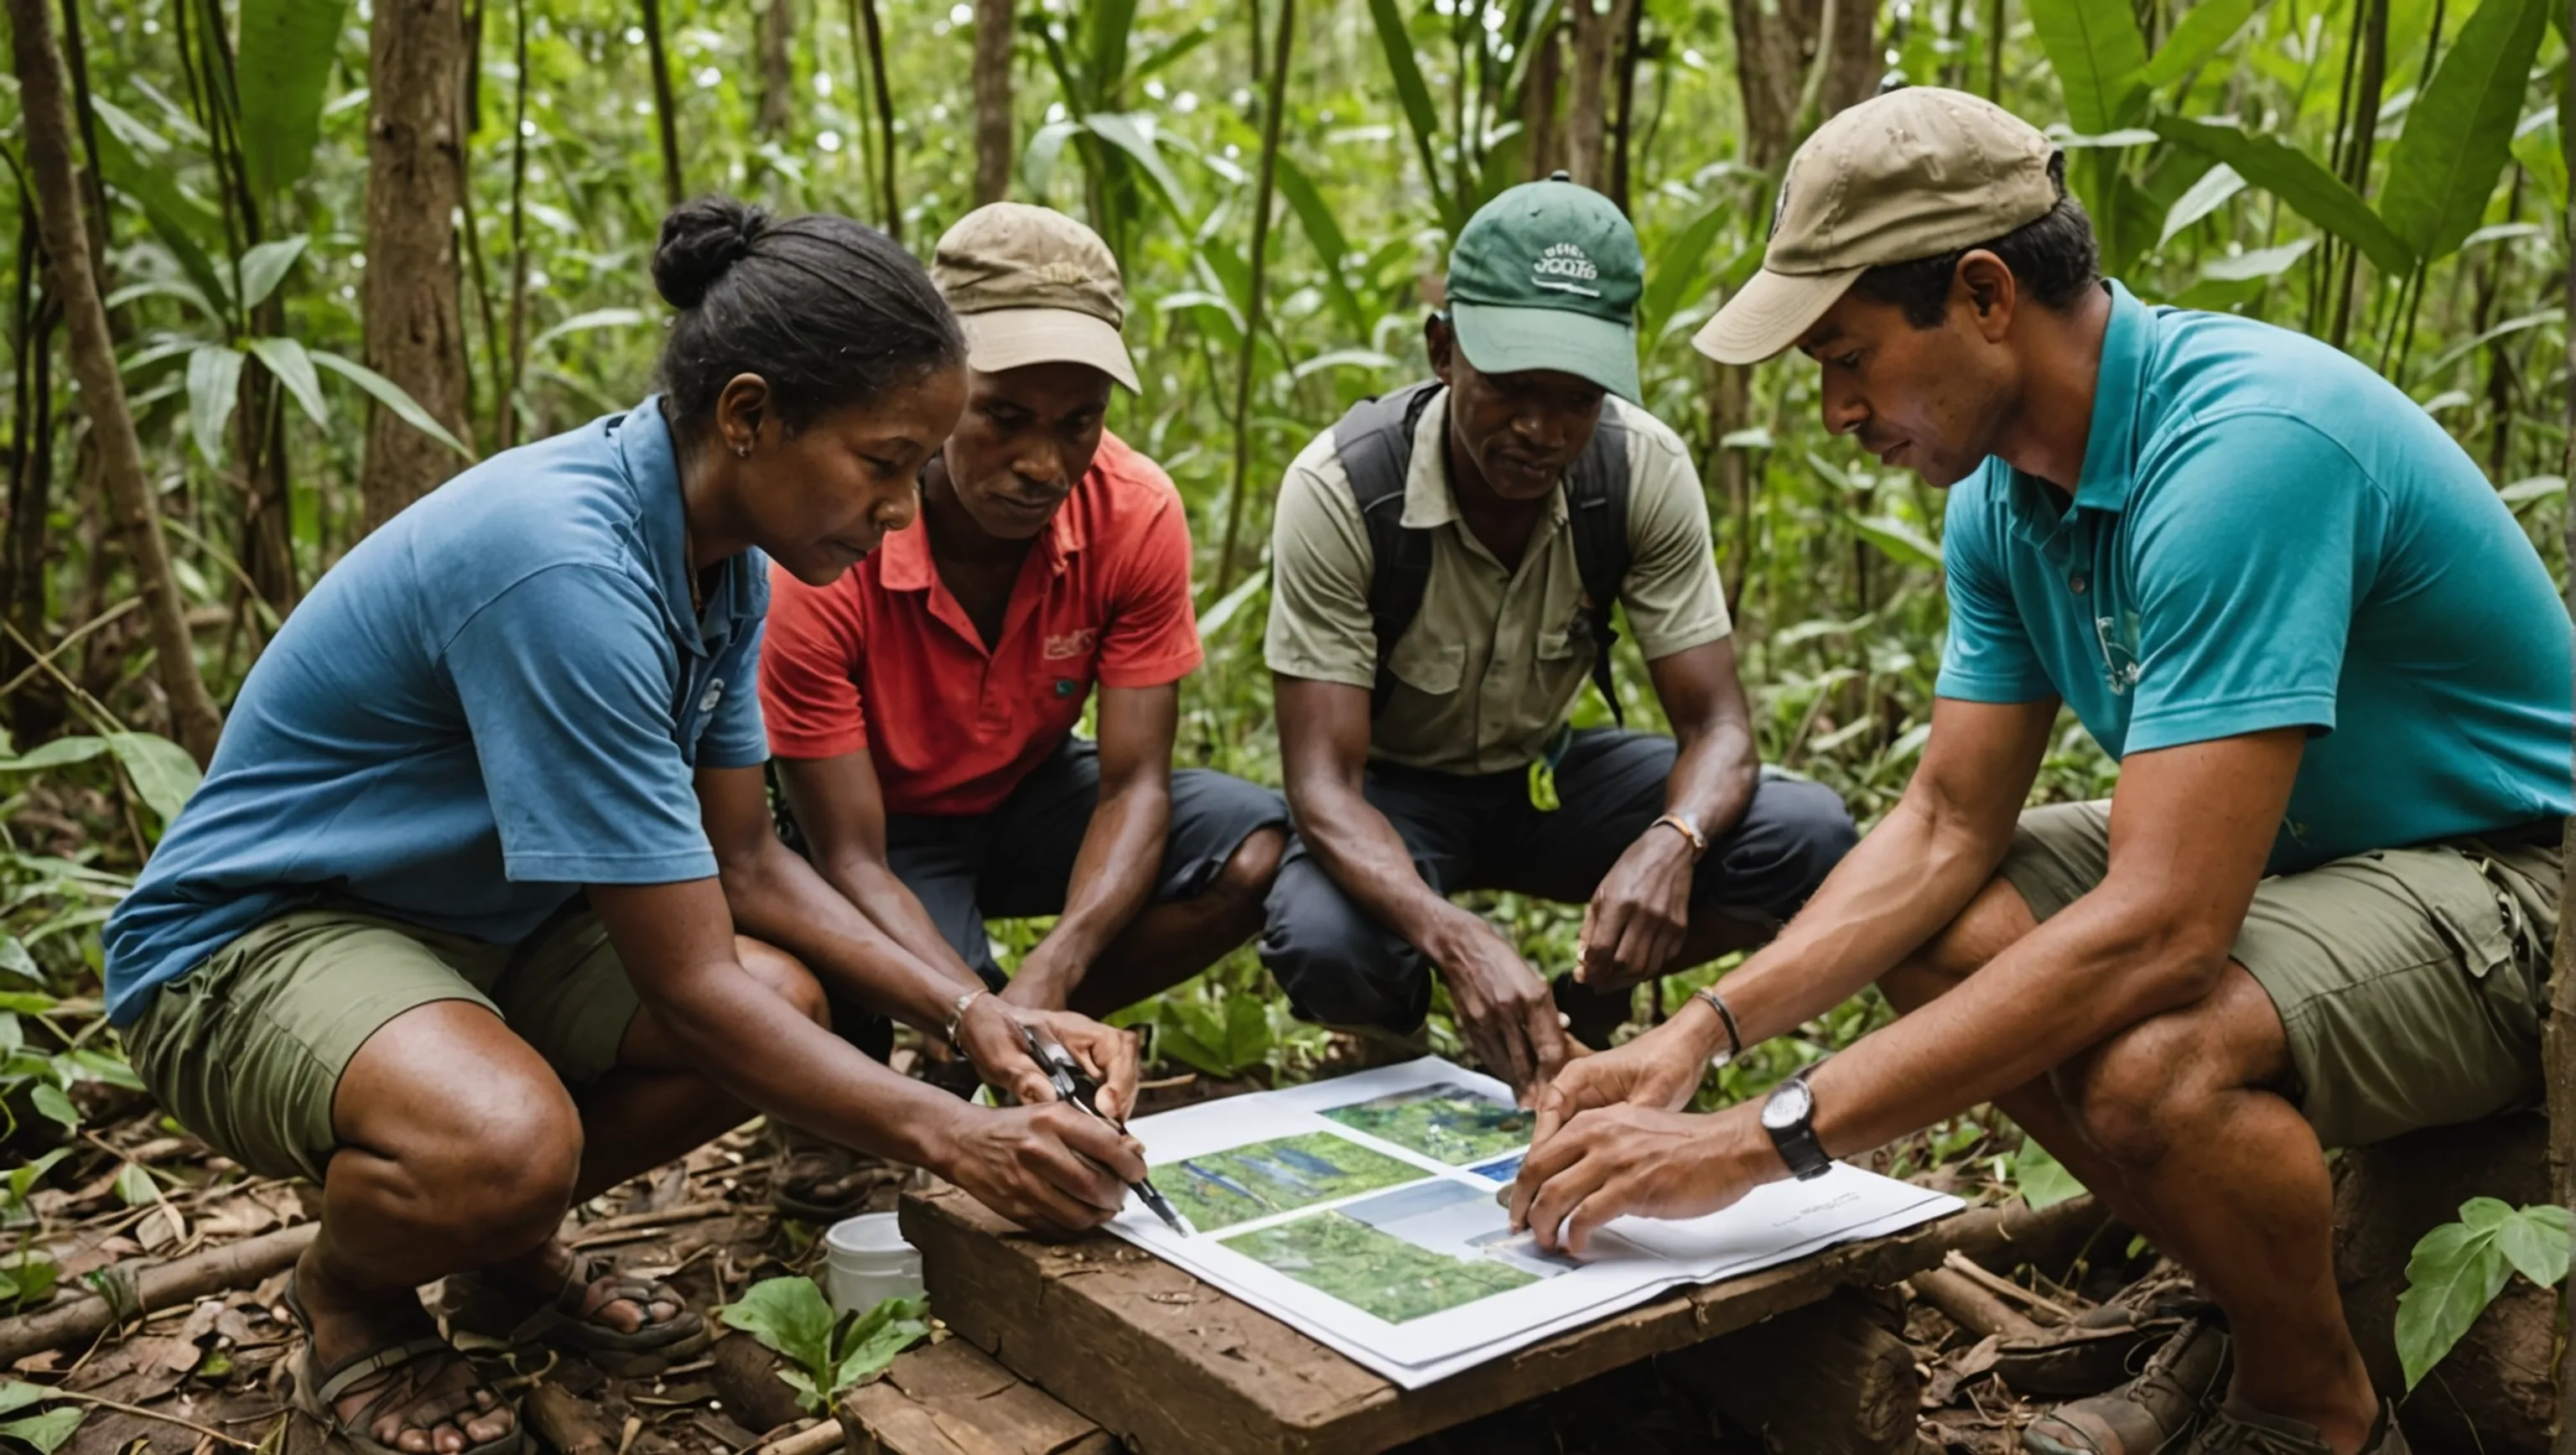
(1547, 276)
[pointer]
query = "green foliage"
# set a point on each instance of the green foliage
(790, 1317)
(2097, 50)
(2459, 1268)
(2459, 133)
(287, 47)
(46, 1432)
(2044, 1181)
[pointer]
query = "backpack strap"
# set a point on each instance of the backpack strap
(1375, 442)
(1596, 498)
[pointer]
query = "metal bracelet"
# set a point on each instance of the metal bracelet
(957, 1012)
(1734, 1034)
(1688, 830)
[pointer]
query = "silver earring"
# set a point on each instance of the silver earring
(742, 451)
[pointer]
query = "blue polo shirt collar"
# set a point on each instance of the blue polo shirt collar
(2111, 441)
(650, 462)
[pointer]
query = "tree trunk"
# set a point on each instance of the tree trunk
(2493, 1393)
(411, 299)
(864, 26)
(36, 702)
(2558, 1044)
(1543, 141)
(665, 105)
(194, 720)
(993, 30)
(1775, 50)
(777, 67)
(1597, 32)
(1272, 106)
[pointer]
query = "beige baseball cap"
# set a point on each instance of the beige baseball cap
(1032, 286)
(1912, 174)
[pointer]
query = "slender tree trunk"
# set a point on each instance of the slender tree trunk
(777, 67)
(2558, 1045)
(1274, 103)
(1543, 141)
(1779, 53)
(1598, 25)
(1623, 125)
(36, 705)
(511, 381)
(994, 27)
(412, 303)
(665, 106)
(194, 719)
(864, 26)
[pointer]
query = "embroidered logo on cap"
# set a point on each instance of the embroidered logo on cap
(1565, 268)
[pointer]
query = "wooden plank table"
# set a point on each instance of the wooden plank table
(1174, 1366)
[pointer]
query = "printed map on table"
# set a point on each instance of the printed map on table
(1446, 1121)
(1368, 1213)
(1220, 1189)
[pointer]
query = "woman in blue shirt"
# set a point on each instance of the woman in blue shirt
(478, 912)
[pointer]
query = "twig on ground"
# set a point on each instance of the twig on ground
(140, 1413)
(2003, 1287)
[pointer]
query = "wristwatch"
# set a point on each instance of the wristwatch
(1790, 1117)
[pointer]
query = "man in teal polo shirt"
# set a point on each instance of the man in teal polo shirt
(2316, 912)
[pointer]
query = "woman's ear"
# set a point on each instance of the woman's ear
(741, 409)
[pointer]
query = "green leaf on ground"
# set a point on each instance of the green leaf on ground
(2044, 1180)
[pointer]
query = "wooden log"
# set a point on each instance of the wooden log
(565, 1422)
(1827, 1379)
(1969, 1306)
(1202, 1374)
(949, 1399)
(2496, 1392)
(156, 1286)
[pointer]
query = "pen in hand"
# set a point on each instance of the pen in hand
(1072, 1084)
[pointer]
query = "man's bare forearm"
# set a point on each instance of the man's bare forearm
(1360, 848)
(1113, 876)
(777, 897)
(1893, 892)
(2094, 969)
(1713, 778)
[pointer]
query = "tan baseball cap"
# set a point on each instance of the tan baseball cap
(1912, 174)
(1032, 286)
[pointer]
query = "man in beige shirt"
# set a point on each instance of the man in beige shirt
(1431, 628)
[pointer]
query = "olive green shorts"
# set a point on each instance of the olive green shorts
(246, 1050)
(2411, 982)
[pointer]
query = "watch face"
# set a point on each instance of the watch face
(1789, 1104)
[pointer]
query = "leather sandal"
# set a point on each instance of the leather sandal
(403, 1371)
(570, 1321)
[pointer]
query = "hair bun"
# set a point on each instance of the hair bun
(701, 240)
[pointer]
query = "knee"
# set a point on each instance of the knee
(784, 976)
(1336, 965)
(1800, 832)
(1244, 883)
(2134, 1094)
(505, 1174)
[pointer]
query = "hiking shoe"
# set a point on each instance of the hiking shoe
(2236, 1429)
(2148, 1415)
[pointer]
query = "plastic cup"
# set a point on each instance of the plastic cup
(866, 1261)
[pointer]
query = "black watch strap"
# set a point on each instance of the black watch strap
(1798, 1146)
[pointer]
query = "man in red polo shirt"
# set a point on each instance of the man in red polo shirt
(922, 709)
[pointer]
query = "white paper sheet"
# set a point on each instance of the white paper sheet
(1362, 1211)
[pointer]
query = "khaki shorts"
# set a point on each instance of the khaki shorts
(2411, 982)
(246, 1050)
